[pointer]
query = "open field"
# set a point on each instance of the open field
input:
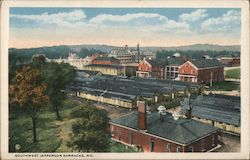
(225, 86)
(232, 73)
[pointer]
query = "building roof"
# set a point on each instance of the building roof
(205, 63)
(158, 62)
(221, 108)
(104, 65)
(106, 59)
(183, 131)
(177, 61)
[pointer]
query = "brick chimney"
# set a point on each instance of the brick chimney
(142, 115)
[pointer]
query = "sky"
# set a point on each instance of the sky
(36, 27)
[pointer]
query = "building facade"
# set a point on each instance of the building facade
(230, 61)
(155, 133)
(105, 69)
(202, 71)
(105, 60)
(151, 69)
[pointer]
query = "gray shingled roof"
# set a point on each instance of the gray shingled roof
(219, 108)
(182, 130)
(204, 63)
(106, 59)
(105, 65)
(158, 62)
(175, 61)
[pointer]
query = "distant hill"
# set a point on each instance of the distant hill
(206, 47)
(108, 48)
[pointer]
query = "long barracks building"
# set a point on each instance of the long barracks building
(124, 92)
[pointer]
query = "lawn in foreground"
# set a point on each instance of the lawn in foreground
(52, 134)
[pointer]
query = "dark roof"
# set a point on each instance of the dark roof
(106, 59)
(107, 94)
(183, 131)
(177, 61)
(158, 62)
(204, 63)
(216, 107)
(105, 65)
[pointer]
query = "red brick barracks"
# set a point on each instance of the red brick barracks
(163, 133)
(202, 71)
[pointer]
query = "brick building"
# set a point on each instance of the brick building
(230, 61)
(173, 66)
(151, 69)
(105, 60)
(165, 133)
(202, 71)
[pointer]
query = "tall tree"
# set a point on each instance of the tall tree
(58, 76)
(90, 131)
(27, 90)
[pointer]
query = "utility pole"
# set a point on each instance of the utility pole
(211, 79)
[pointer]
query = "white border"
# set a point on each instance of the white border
(243, 4)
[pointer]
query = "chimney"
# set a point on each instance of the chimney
(142, 115)
(138, 51)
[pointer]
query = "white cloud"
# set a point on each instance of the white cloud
(75, 17)
(151, 21)
(194, 16)
(101, 18)
(229, 20)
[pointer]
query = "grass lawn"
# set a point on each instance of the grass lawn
(225, 86)
(233, 73)
(52, 135)
(118, 147)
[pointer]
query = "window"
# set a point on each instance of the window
(190, 149)
(178, 149)
(112, 130)
(202, 145)
(152, 145)
(131, 138)
(213, 140)
(119, 134)
(168, 147)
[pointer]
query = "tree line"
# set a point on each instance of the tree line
(195, 54)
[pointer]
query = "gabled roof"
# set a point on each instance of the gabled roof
(182, 131)
(205, 63)
(219, 108)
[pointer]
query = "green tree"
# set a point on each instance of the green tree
(27, 90)
(57, 77)
(89, 133)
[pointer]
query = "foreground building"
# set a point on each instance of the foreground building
(163, 133)
(217, 110)
(202, 71)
